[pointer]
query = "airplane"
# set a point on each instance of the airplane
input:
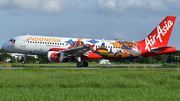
(60, 49)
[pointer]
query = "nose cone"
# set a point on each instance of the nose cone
(4, 46)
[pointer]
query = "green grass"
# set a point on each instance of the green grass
(89, 84)
(74, 65)
(53, 65)
(171, 64)
(1, 65)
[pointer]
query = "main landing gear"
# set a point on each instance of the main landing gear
(24, 61)
(80, 64)
(84, 64)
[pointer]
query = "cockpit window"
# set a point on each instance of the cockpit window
(12, 40)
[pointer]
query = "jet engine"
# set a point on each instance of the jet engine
(55, 56)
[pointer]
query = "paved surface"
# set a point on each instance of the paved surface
(150, 65)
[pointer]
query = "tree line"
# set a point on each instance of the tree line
(165, 58)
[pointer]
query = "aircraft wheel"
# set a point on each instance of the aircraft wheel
(23, 62)
(85, 64)
(58, 60)
(79, 64)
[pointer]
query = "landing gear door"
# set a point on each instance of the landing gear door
(23, 42)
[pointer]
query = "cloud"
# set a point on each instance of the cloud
(124, 6)
(120, 35)
(26, 4)
(49, 6)
(3, 2)
(53, 6)
(157, 5)
(100, 6)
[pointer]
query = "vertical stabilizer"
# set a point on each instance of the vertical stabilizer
(159, 37)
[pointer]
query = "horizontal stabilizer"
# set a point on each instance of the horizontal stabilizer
(156, 50)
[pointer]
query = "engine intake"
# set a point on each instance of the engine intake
(55, 56)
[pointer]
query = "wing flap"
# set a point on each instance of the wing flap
(77, 51)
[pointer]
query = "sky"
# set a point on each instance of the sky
(125, 20)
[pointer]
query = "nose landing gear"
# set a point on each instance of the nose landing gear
(24, 61)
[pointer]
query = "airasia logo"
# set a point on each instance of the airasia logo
(161, 32)
(54, 56)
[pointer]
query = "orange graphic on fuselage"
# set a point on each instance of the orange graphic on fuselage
(124, 46)
(117, 44)
(123, 49)
(78, 43)
(129, 45)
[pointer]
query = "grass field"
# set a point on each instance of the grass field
(89, 84)
(74, 65)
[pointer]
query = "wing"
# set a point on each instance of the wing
(77, 51)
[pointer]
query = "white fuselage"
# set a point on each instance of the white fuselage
(40, 45)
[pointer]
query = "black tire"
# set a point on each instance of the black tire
(79, 64)
(58, 60)
(23, 62)
(85, 64)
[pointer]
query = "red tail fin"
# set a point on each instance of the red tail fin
(159, 37)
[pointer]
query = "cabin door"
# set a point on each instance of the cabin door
(23, 42)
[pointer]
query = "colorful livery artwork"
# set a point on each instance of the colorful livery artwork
(59, 49)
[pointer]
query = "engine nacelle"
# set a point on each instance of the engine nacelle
(55, 56)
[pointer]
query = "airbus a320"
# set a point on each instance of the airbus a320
(59, 49)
